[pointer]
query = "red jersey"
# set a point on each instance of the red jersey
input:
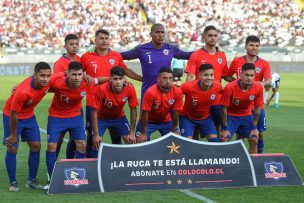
(66, 102)
(197, 101)
(62, 64)
(110, 105)
(262, 68)
(25, 98)
(99, 66)
(201, 56)
(159, 104)
(240, 103)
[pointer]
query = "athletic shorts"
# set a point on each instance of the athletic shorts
(240, 124)
(120, 126)
(164, 128)
(262, 126)
(187, 126)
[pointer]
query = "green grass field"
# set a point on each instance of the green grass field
(285, 131)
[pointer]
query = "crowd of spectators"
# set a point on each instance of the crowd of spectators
(45, 23)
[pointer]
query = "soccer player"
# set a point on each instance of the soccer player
(98, 64)
(237, 100)
(71, 45)
(19, 120)
(158, 101)
(275, 85)
(65, 112)
(200, 95)
(210, 54)
(262, 75)
(108, 109)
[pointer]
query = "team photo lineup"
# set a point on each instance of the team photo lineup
(203, 106)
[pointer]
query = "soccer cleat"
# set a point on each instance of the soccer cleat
(276, 105)
(34, 184)
(13, 187)
(47, 186)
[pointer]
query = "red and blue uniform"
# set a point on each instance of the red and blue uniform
(62, 64)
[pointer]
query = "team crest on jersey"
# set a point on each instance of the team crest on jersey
(274, 170)
(171, 101)
(83, 93)
(257, 69)
(212, 97)
(124, 99)
(166, 52)
(220, 61)
(75, 177)
(251, 97)
(112, 61)
(29, 102)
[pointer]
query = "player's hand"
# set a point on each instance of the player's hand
(225, 136)
(176, 132)
(131, 138)
(261, 83)
(254, 134)
(141, 138)
(11, 140)
(88, 78)
(91, 48)
(127, 82)
(96, 141)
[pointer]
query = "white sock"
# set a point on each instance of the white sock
(265, 97)
(276, 98)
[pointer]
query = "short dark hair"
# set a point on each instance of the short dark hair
(205, 66)
(75, 65)
(117, 70)
(252, 38)
(70, 37)
(156, 25)
(164, 70)
(41, 66)
(103, 31)
(209, 27)
(248, 66)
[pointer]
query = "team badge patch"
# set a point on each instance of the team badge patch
(124, 99)
(75, 177)
(166, 52)
(212, 97)
(257, 69)
(171, 101)
(274, 170)
(251, 97)
(83, 93)
(112, 61)
(220, 61)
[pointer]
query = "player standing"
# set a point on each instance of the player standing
(108, 109)
(237, 100)
(200, 95)
(275, 85)
(158, 101)
(19, 120)
(262, 75)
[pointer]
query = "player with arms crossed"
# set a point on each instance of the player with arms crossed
(158, 101)
(262, 75)
(108, 109)
(19, 120)
(238, 98)
(200, 95)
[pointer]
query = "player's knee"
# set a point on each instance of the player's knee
(81, 145)
(35, 146)
(253, 141)
(52, 146)
(12, 150)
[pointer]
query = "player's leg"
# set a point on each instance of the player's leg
(245, 130)
(266, 93)
(151, 128)
(208, 130)
(89, 132)
(10, 156)
(262, 127)
(59, 144)
(233, 126)
(186, 126)
(121, 127)
(165, 127)
(116, 139)
(276, 94)
(103, 124)
(77, 133)
(215, 113)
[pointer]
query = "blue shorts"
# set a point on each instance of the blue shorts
(27, 128)
(240, 124)
(262, 121)
(187, 126)
(120, 126)
(57, 126)
(216, 114)
(164, 128)
(88, 119)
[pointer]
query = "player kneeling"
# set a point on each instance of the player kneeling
(237, 98)
(200, 95)
(108, 109)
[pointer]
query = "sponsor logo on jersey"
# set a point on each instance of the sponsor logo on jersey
(112, 61)
(212, 97)
(257, 69)
(171, 101)
(124, 99)
(166, 52)
(251, 97)
(83, 93)
(220, 61)
(75, 177)
(274, 170)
